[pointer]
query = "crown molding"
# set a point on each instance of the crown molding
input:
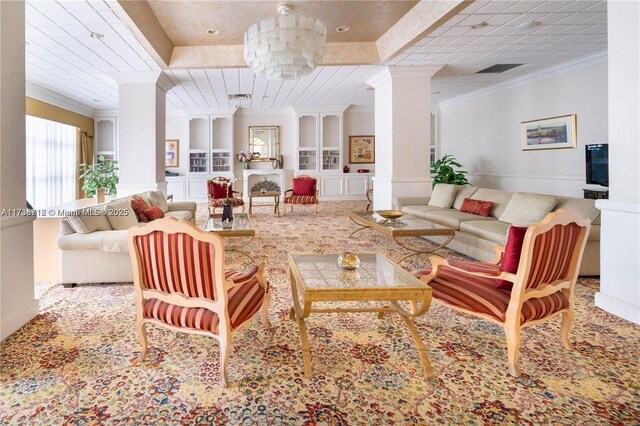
(45, 95)
(361, 108)
(402, 71)
(191, 112)
(105, 113)
(153, 77)
(319, 109)
(275, 111)
(582, 62)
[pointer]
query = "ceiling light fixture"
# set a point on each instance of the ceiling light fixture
(95, 35)
(288, 50)
(343, 28)
(526, 25)
(213, 31)
(480, 25)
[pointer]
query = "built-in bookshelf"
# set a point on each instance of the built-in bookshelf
(197, 162)
(221, 161)
(307, 159)
(330, 159)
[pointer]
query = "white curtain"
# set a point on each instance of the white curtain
(51, 163)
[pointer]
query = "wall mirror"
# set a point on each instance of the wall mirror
(265, 140)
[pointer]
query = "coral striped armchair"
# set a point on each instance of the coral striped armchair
(181, 285)
(542, 287)
(304, 191)
(220, 190)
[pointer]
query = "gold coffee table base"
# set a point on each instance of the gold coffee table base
(418, 294)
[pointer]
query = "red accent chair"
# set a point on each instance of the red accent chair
(218, 193)
(304, 191)
(181, 285)
(543, 286)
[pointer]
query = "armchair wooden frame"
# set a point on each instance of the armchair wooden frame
(219, 305)
(521, 291)
(290, 194)
(237, 195)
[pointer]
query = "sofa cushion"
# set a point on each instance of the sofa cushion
(139, 205)
(462, 192)
(512, 251)
(181, 214)
(159, 200)
(442, 195)
(477, 207)
(525, 208)
(499, 198)
(114, 242)
(452, 218)
(585, 207)
(121, 215)
(90, 219)
(492, 230)
(79, 241)
(421, 211)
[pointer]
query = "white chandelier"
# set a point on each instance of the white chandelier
(286, 51)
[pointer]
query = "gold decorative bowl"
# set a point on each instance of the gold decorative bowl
(390, 214)
(348, 260)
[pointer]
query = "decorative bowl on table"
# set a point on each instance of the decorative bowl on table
(348, 260)
(390, 214)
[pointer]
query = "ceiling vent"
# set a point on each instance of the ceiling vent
(498, 68)
(241, 96)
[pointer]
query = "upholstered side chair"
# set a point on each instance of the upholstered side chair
(219, 191)
(542, 287)
(181, 284)
(304, 191)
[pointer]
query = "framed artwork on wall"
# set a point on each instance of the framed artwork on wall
(171, 153)
(549, 133)
(362, 149)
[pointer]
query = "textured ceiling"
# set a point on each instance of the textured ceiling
(62, 57)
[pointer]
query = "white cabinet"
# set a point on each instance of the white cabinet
(331, 186)
(106, 138)
(318, 135)
(210, 144)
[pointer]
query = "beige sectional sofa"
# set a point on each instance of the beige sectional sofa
(476, 236)
(93, 240)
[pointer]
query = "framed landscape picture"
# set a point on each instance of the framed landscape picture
(362, 149)
(171, 153)
(549, 133)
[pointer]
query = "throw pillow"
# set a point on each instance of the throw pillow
(512, 251)
(220, 191)
(304, 186)
(85, 221)
(477, 207)
(442, 195)
(139, 206)
(525, 209)
(120, 214)
(154, 213)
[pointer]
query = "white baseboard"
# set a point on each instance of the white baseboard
(618, 307)
(21, 317)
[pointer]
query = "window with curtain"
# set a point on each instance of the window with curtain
(51, 162)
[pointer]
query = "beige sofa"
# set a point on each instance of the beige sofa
(476, 236)
(93, 240)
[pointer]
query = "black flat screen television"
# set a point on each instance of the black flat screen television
(597, 159)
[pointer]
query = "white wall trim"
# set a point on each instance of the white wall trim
(105, 113)
(361, 108)
(582, 62)
(190, 112)
(525, 176)
(45, 95)
(319, 109)
(275, 111)
(21, 317)
(617, 307)
(9, 221)
(618, 206)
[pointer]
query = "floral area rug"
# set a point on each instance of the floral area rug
(74, 363)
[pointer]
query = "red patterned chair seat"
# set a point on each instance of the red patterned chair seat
(245, 299)
(301, 199)
(220, 202)
(479, 294)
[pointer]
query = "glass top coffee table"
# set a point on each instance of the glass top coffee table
(318, 278)
(405, 226)
(240, 226)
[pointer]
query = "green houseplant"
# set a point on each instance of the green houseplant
(444, 171)
(99, 177)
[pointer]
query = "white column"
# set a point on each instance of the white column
(620, 234)
(17, 302)
(402, 129)
(141, 132)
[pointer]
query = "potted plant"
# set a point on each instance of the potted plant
(100, 178)
(443, 171)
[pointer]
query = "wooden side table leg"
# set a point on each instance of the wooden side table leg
(250, 204)
(306, 352)
(422, 352)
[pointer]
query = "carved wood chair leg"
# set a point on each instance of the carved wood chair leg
(567, 322)
(265, 310)
(144, 343)
(225, 349)
(513, 349)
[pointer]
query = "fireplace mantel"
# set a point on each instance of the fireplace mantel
(251, 176)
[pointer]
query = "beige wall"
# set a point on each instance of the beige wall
(41, 109)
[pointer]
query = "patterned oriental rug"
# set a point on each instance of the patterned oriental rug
(73, 364)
